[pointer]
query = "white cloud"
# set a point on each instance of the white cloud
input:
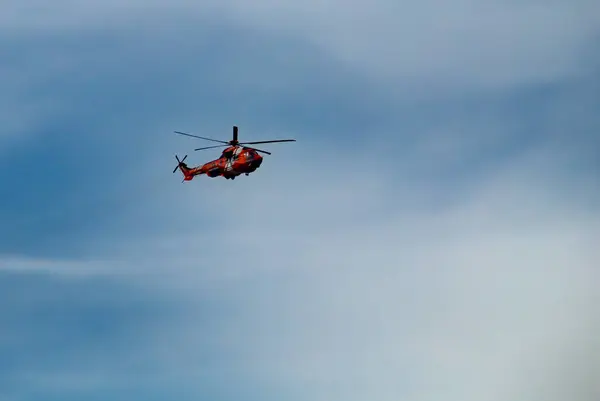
(336, 294)
(462, 45)
(341, 286)
(71, 268)
(333, 284)
(467, 43)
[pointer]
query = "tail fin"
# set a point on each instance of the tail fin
(184, 169)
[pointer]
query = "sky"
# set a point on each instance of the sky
(432, 234)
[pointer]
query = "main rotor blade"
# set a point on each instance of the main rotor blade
(212, 147)
(200, 137)
(273, 141)
(258, 150)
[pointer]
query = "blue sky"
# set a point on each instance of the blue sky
(431, 235)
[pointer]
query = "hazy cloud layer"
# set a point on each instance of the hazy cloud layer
(463, 45)
(491, 298)
(437, 244)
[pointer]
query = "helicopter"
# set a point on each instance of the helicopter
(236, 159)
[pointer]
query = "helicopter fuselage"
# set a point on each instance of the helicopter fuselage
(234, 161)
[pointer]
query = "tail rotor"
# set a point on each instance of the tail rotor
(180, 163)
(183, 167)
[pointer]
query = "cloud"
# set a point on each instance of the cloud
(465, 45)
(72, 268)
(333, 284)
(459, 303)
(409, 247)
(344, 295)
(66, 334)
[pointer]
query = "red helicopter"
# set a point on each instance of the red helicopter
(236, 159)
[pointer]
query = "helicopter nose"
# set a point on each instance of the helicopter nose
(254, 164)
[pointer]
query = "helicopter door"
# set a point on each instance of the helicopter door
(229, 165)
(232, 159)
